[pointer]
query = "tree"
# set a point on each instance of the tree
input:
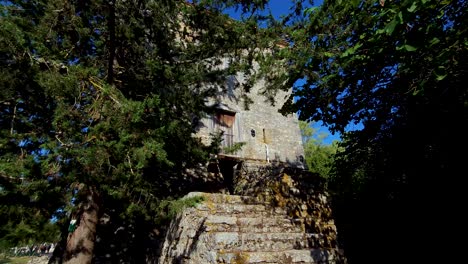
(98, 107)
(397, 68)
(319, 156)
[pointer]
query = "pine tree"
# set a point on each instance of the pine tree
(99, 101)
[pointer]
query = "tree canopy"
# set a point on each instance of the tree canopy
(396, 68)
(319, 156)
(99, 101)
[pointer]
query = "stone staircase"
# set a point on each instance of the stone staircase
(241, 229)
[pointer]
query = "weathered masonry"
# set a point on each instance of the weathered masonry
(277, 212)
(244, 229)
(267, 135)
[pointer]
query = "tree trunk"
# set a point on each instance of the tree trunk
(80, 241)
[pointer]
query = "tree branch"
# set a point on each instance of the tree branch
(111, 26)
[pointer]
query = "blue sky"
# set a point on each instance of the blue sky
(279, 8)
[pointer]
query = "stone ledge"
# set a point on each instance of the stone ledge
(275, 224)
(287, 256)
(226, 198)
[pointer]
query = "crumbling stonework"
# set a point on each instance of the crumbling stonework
(280, 213)
(301, 193)
(242, 229)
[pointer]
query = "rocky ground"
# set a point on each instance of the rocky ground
(39, 260)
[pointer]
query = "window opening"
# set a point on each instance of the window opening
(301, 158)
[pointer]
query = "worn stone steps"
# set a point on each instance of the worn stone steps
(226, 198)
(265, 241)
(237, 210)
(235, 205)
(311, 256)
(240, 229)
(275, 224)
(254, 241)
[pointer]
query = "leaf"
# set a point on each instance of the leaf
(417, 91)
(391, 27)
(310, 10)
(434, 41)
(409, 47)
(400, 16)
(413, 7)
(440, 77)
(351, 51)
(380, 31)
(440, 73)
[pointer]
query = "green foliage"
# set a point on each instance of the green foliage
(319, 156)
(396, 68)
(28, 232)
(237, 146)
(15, 260)
(173, 207)
(364, 61)
(105, 95)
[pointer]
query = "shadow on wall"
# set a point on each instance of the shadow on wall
(174, 237)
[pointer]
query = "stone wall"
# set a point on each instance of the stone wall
(242, 229)
(277, 137)
(300, 192)
(278, 215)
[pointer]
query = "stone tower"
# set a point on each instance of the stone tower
(267, 135)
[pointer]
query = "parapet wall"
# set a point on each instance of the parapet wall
(300, 192)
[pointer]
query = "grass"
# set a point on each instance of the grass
(15, 260)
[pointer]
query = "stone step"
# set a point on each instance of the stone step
(226, 198)
(234, 205)
(275, 224)
(216, 208)
(267, 240)
(312, 256)
(241, 229)
(249, 242)
(238, 210)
